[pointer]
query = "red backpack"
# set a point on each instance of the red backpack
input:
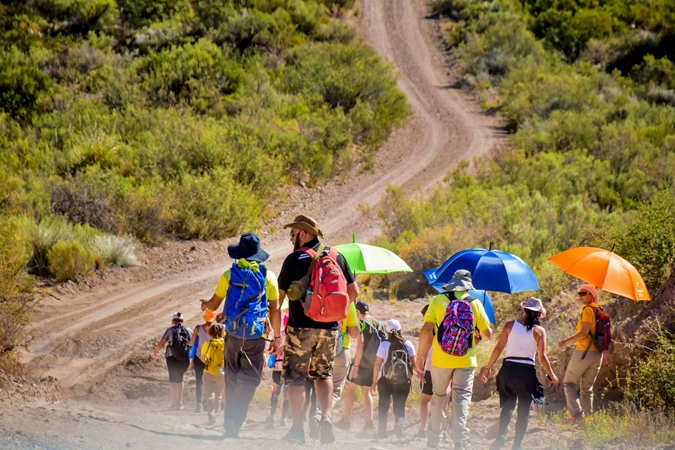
(326, 299)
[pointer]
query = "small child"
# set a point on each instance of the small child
(393, 376)
(213, 355)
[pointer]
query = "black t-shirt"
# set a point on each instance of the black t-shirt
(294, 268)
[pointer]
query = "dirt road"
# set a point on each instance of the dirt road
(82, 339)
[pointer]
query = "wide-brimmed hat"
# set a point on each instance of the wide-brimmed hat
(307, 224)
(534, 304)
(392, 325)
(248, 248)
(461, 281)
(362, 307)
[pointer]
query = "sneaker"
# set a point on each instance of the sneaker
(295, 435)
(270, 420)
(343, 425)
(421, 434)
(398, 428)
(369, 427)
(314, 427)
(282, 422)
(176, 407)
(212, 419)
(578, 417)
(327, 435)
(198, 408)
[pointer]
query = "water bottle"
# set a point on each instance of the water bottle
(271, 361)
(222, 371)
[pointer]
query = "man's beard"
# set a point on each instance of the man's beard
(297, 245)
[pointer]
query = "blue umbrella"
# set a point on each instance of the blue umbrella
(483, 296)
(491, 270)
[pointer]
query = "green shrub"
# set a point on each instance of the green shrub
(22, 84)
(651, 381)
(69, 260)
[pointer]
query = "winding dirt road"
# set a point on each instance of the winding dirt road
(80, 338)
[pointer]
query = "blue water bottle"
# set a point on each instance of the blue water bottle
(271, 361)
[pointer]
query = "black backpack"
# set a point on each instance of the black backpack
(398, 369)
(373, 336)
(180, 343)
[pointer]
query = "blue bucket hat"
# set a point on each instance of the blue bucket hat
(248, 248)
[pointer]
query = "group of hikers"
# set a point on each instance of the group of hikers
(302, 325)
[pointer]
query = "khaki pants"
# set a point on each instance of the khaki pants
(462, 389)
(579, 379)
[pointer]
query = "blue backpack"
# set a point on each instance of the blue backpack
(246, 306)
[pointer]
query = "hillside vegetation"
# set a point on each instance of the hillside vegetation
(586, 90)
(177, 119)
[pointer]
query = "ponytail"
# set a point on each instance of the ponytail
(531, 318)
(395, 337)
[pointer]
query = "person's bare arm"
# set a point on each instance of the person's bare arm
(486, 334)
(193, 338)
(376, 371)
(211, 304)
(426, 339)
(585, 329)
(540, 337)
(353, 332)
(275, 321)
(499, 348)
(353, 291)
(160, 346)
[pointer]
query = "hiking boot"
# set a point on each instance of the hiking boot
(421, 434)
(398, 428)
(198, 408)
(314, 427)
(296, 435)
(327, 435)
(343, 425)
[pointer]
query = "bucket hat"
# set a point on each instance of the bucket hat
(248, 248)
(461, 281)
(392, 325)
(534, 304)
(307, 224)
(362, 307)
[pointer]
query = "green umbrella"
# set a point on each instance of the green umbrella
(364, 258)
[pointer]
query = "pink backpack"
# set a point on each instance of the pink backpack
(455, 333)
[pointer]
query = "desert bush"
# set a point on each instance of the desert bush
(22, 84)
(69, 260)
(116, 250)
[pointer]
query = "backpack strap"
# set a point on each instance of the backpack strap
(590, 333)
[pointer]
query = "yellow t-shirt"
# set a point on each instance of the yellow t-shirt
(352, 320)
(272, 285)
(588, 315)
(436, 314)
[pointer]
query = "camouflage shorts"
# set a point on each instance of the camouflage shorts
(308, 352)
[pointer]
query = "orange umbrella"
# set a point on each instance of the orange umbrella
(604, 269)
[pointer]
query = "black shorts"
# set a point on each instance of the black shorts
(427, 387)
(365, 377)
(176, 369)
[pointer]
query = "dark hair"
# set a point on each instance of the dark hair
(395, 337)
(216, 330)
(425, 309)
(531, 318)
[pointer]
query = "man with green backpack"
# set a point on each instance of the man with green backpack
(250, 291)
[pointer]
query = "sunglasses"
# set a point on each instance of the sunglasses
(581, 294)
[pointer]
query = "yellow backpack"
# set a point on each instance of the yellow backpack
(214, 355)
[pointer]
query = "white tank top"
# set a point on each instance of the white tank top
(521, 344)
